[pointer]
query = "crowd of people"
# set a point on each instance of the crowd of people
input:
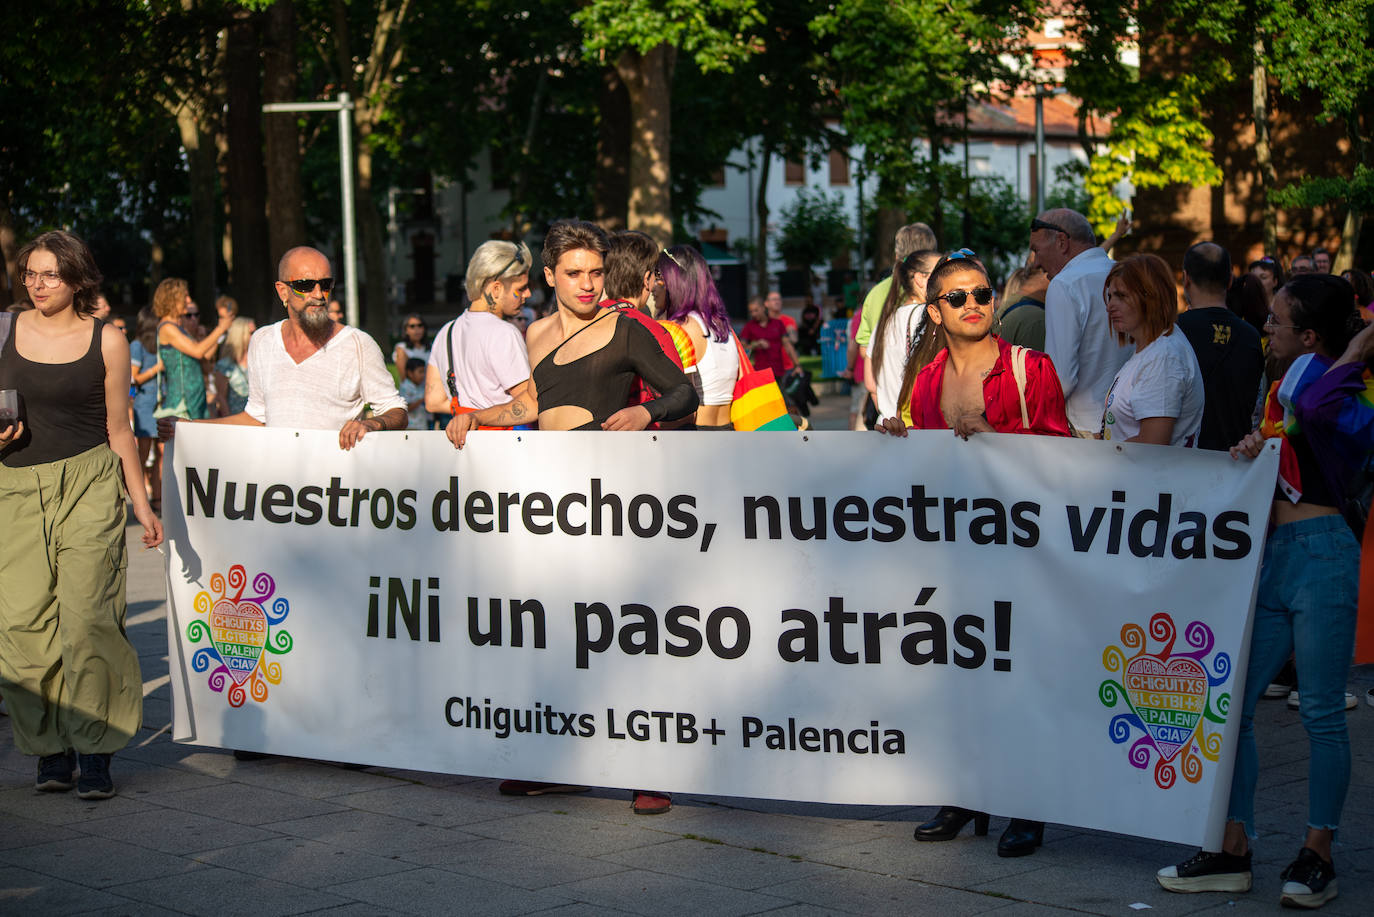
(636, 337)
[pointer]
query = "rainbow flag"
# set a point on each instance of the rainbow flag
(758, 404)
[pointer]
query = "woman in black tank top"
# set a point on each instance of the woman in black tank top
(68, 674)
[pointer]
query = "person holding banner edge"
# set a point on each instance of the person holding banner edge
(295, 366)
(979, 384)
(1306, 601)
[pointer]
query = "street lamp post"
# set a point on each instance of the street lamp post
(1041, 93)
(343, 106)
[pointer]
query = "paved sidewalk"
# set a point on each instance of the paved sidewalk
(195, 832)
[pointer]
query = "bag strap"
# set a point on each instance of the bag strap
(450, 379)
(1018, 372)
(745, 367)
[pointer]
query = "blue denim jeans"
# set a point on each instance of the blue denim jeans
(1306, 606)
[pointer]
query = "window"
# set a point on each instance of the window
(839, 166)
(794, 173)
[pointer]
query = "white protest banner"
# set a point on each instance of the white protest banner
(1045, 628)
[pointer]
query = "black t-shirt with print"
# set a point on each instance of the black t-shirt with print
(1232, 361)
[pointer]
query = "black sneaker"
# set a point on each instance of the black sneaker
(55, 773)
(1206, 871)
(95, 782)
(1309, 881)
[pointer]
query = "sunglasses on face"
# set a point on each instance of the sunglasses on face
(956, 298)
(305, 285)
(1041, 224)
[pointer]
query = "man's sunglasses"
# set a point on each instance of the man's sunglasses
(956, 298)
(305, 285)
(1041, 224)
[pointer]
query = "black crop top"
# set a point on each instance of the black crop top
(601, 380)
(1315, 488)
(62, 405)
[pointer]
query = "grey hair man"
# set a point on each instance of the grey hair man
(1078, 337)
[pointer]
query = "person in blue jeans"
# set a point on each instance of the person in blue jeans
(1308, 582)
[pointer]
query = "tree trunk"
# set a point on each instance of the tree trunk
(246, 189)
(520, 219)
(612, 192)
(9, 251)
(761, 214)
(1259, 96)
(649, 80)
(285, 209)
(202, 169)
(937, 210)
(371, 241)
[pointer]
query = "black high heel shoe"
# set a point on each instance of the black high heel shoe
(949, 821)
(1021, 838)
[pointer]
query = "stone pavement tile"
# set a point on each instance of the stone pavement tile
(1100, 887)
(718, 864)
(512, 864)
(174, 831)
(570, 834)
(1029, 909)
(95, 862)
(131, 909)
(578, 909)
(301, 862)
(357, 909)
(25, 832)
(382, 835)
(856, 892)
(1088, 848)
(642, 892)
(817, 809)
(437, 891)
(246, 805)
(65, 808)
(209, 891)
(788, 835)
(30, 894)
(802, 910)
(962, 862)
(304, 777)
(140, 779)
(162, 750)
(433, 805)
(428, 778)
(157, 711)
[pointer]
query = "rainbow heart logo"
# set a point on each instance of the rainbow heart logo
(1169, 697)
(243, 632)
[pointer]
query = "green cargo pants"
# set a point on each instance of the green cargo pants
(67, 671)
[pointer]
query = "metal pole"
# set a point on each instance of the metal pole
(346, 188)
(343, 107)
(1039, 194)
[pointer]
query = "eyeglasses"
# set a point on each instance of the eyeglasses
(1272, 322)
(191, 313)
(956, 298)
(47, 279)
(305, 285)
(414, 324)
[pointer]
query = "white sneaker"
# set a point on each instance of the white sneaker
(1351, 701)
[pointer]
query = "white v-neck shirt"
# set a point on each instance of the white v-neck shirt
(324, 391)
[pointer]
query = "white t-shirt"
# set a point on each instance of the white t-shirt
(489, 354)
(326, 390)
(905, 322)
(1163, 380)
(1079, 339)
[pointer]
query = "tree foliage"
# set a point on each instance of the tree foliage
(814, 229)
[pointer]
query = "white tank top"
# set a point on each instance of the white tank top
(718, 366)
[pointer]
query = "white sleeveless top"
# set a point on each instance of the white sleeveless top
(718, 366)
